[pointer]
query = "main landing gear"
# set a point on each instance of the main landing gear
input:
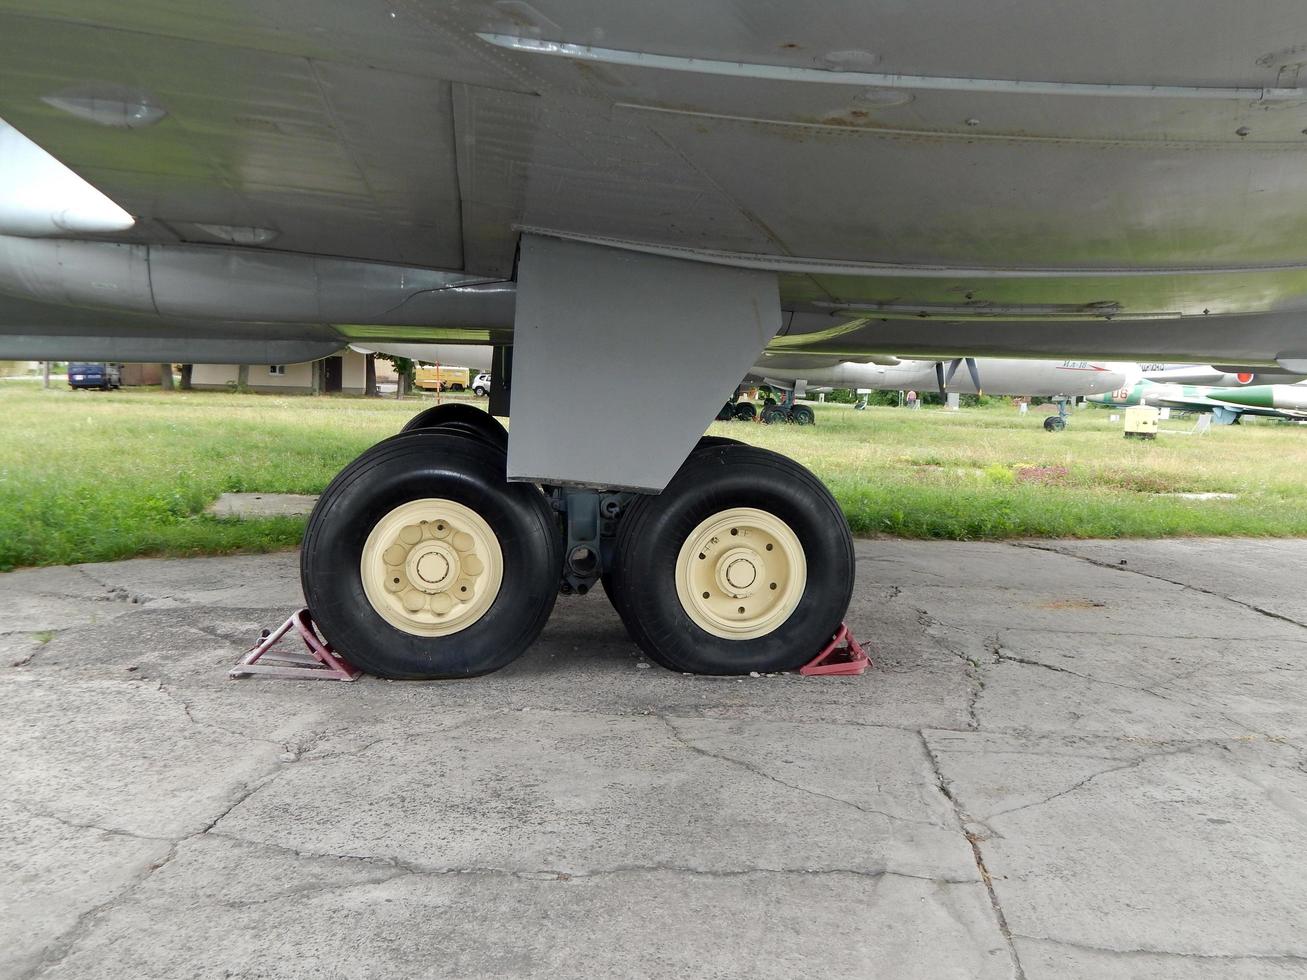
(422, 561)
(787, 410)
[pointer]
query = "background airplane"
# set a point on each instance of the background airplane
(1226, 405)
(1217, 376)
(795, 374)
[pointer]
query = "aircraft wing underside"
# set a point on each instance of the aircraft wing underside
(914, 190)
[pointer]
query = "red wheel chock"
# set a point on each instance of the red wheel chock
(836, 660)
(321, 663)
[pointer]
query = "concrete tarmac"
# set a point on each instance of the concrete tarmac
(1072, 759)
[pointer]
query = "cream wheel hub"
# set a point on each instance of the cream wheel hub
(738, 571)
(741, 573)
(432, 567)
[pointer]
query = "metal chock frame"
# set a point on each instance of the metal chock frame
(835, 660)
(321, 663)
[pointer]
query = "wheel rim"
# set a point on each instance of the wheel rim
(432, 567)
(741, 573)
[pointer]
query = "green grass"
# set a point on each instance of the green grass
(989, 473)
(94, 476)
(90, 476)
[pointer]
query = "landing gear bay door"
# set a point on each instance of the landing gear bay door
(663, 340)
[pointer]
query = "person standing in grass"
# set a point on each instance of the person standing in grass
(913, 402)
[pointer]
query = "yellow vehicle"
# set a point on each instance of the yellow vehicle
(441, 378)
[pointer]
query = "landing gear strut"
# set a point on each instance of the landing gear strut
(422, 561)
(1056, 423)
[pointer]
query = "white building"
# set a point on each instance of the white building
(343, 373)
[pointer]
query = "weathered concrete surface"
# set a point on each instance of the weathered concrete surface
(1061, 766)
(263, 504)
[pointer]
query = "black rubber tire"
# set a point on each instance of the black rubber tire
(774, 413)
(746, 411)
(714, 478)
(726, 413)
(479, 391)
(468, 417)
(409, 466)
(1054, 423)
(803, 415)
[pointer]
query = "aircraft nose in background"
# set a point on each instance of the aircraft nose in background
(1291, 398)
(1110, 378)
(1257, 397)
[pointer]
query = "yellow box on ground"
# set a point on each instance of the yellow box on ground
(1141, 422)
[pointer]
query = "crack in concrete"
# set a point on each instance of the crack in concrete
(751, 768)
(403, 868)
(1135, 764)
(1147, 951)
(1000, 656)
(931, 628)
(187, 709)
(41, 814)
(63, 945)
(1167, 637)
(1270, 613)
(115, 593)
(1000, 918)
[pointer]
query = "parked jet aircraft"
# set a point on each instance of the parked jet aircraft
(997, 376)
(1226, 405)
(1216, 376)
(642, 198)
(1288, 400)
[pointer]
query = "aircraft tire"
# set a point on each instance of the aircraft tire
(774, 413)
(1055, 423)
(434, 509)
(746, 411)
(803, 415)
(756, 515)
(465, 417)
